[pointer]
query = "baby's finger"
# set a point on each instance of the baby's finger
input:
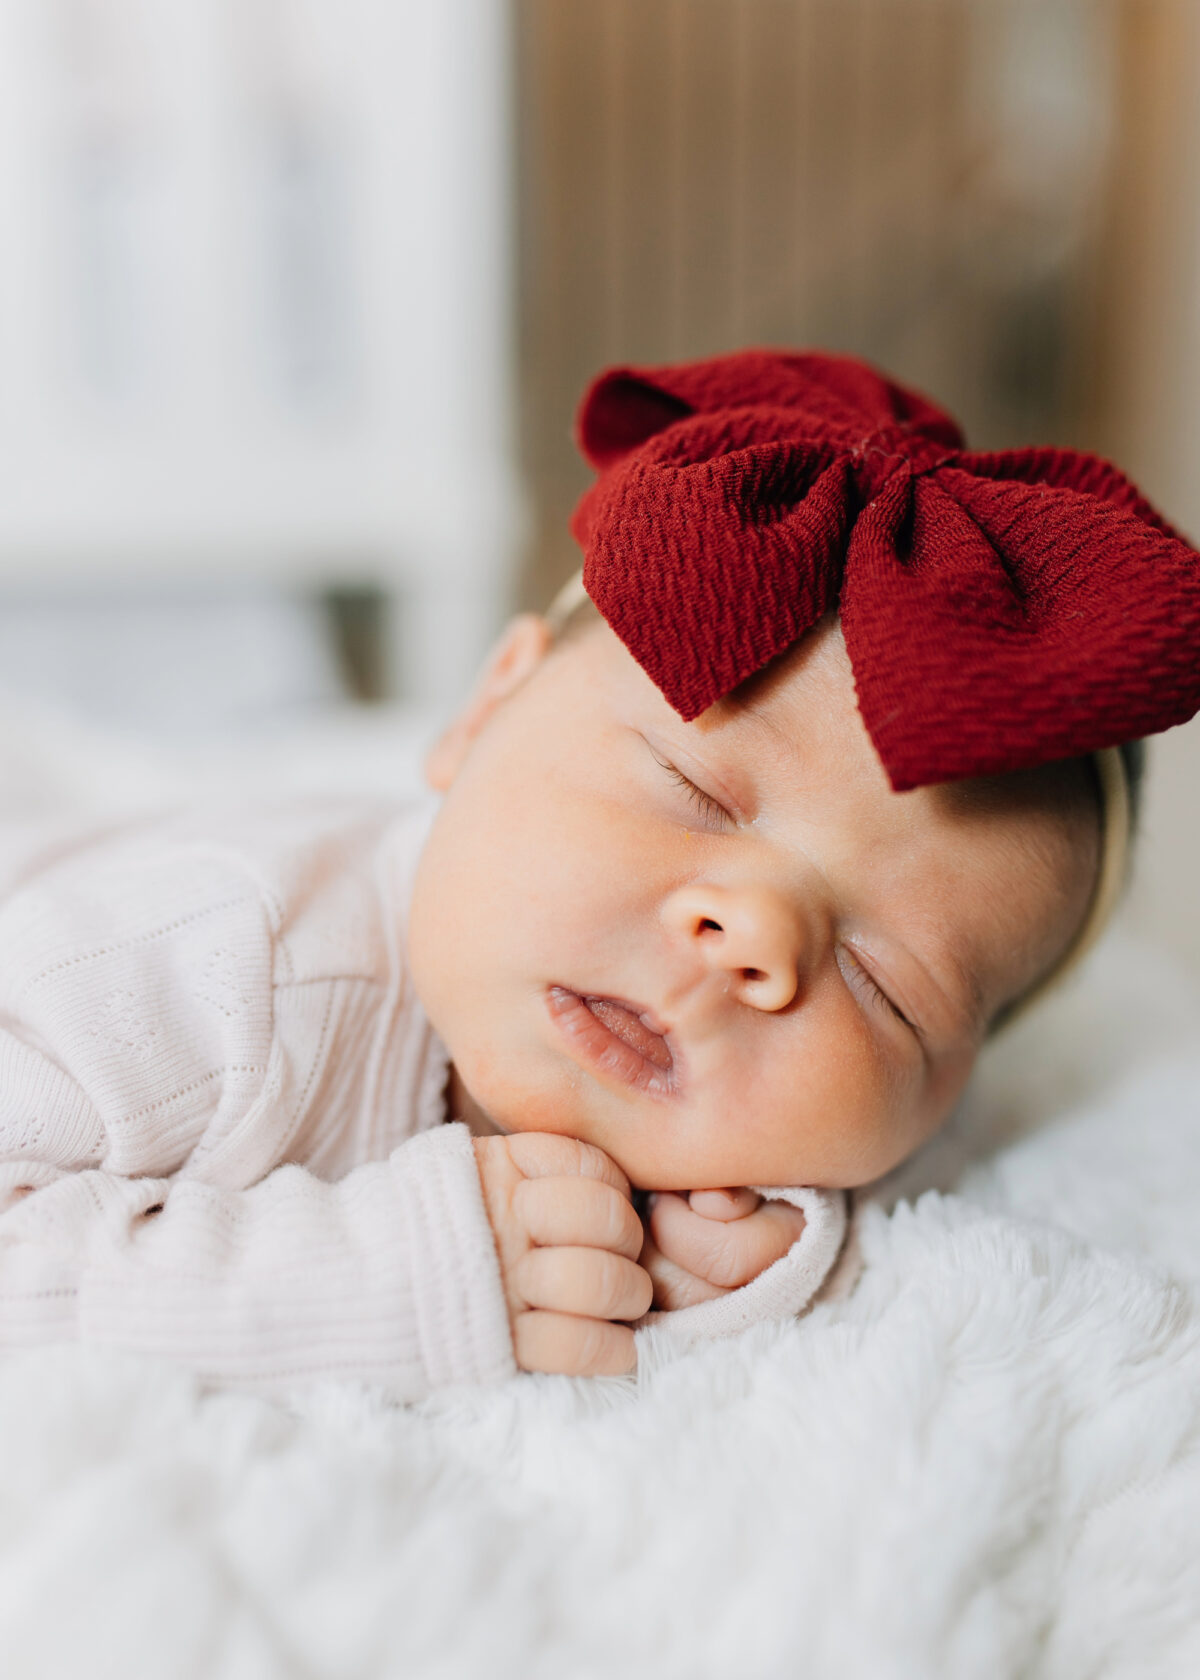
(588, 1281)
(572, 1347)
(581, 1212)
(728, 1254)
(723, 1204)
(549, 1155)
(673, 1287)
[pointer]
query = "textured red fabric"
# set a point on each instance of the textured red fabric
(999, 610)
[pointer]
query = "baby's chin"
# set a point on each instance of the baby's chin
(461, 1105)
(528, 1115)
(497, 1110)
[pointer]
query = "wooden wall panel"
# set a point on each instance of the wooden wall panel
(700, 174)
(1146, 398)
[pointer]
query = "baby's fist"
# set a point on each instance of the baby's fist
(568, 1241)
(703, 1245)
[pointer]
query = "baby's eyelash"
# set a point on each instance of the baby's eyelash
(864, 982)
(710, 809)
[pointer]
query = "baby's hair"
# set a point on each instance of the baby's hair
(1114, 777)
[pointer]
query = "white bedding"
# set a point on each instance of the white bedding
(985, 1462)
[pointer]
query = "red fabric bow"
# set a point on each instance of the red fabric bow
(999, 609)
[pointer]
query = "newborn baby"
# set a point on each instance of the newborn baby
(725, 953)
(727, 883)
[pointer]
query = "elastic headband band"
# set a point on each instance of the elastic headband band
(569, 597)
(1115, 833)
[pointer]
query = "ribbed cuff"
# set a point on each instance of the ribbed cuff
(458, 1293)
(387, 1276)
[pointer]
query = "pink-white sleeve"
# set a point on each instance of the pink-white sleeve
(388, 1275)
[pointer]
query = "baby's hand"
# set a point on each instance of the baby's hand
(568, 1241)
(703, 1245)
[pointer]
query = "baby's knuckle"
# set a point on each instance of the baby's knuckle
(529, 1198)
(494, 1166)
(794, 1222)
(729, 1264)
(603, 1349)
(625, 1288)
(622, 1227)
(542, 1154)
(594, 1163)
(608, 1284)
(558, 1342)
(589, 1345)
(538, 1277)
(783, 1236)
(618, 1354)
(723, 1272)
(749, 1246)
(780, 1226)
(642, 1291)
(525, 1340)
(538, 1342)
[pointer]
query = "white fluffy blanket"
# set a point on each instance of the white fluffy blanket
(985, 1462)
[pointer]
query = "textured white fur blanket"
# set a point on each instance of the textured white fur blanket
(985, 1462)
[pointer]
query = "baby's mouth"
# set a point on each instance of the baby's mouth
(614, 1037)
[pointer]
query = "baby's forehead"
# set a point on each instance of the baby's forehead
(800, 714)
(800, 707)
(1052, 811)
(805, 704)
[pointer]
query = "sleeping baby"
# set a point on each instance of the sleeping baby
(824, 770)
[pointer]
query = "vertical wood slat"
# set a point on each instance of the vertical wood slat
(1144, 391)
(646, 231)
(730, 171)
(708, 182)
(770, 115)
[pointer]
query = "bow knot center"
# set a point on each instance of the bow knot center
(894, 449)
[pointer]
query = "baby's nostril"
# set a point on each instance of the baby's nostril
(707, 924)
(753, 974)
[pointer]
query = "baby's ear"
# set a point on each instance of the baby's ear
(521, 648)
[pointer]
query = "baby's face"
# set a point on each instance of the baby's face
(724, 951)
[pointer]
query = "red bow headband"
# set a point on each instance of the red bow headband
(1000, 610)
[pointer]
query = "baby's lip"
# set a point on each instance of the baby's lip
(636, 1026)
(652, 1022)
(617, 1037)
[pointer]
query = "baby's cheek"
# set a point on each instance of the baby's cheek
(883, 1134)
(527, 1103)
(855, 1112)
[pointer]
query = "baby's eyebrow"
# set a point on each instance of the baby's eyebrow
(733, 745)
(952, 978)
(974, 1014)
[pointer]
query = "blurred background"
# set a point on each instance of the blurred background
(297, 298)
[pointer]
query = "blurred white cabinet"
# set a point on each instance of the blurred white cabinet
(254, 301)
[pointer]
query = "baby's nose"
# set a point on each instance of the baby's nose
(751, 933)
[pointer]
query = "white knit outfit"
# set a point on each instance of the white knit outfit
(221, 1112)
